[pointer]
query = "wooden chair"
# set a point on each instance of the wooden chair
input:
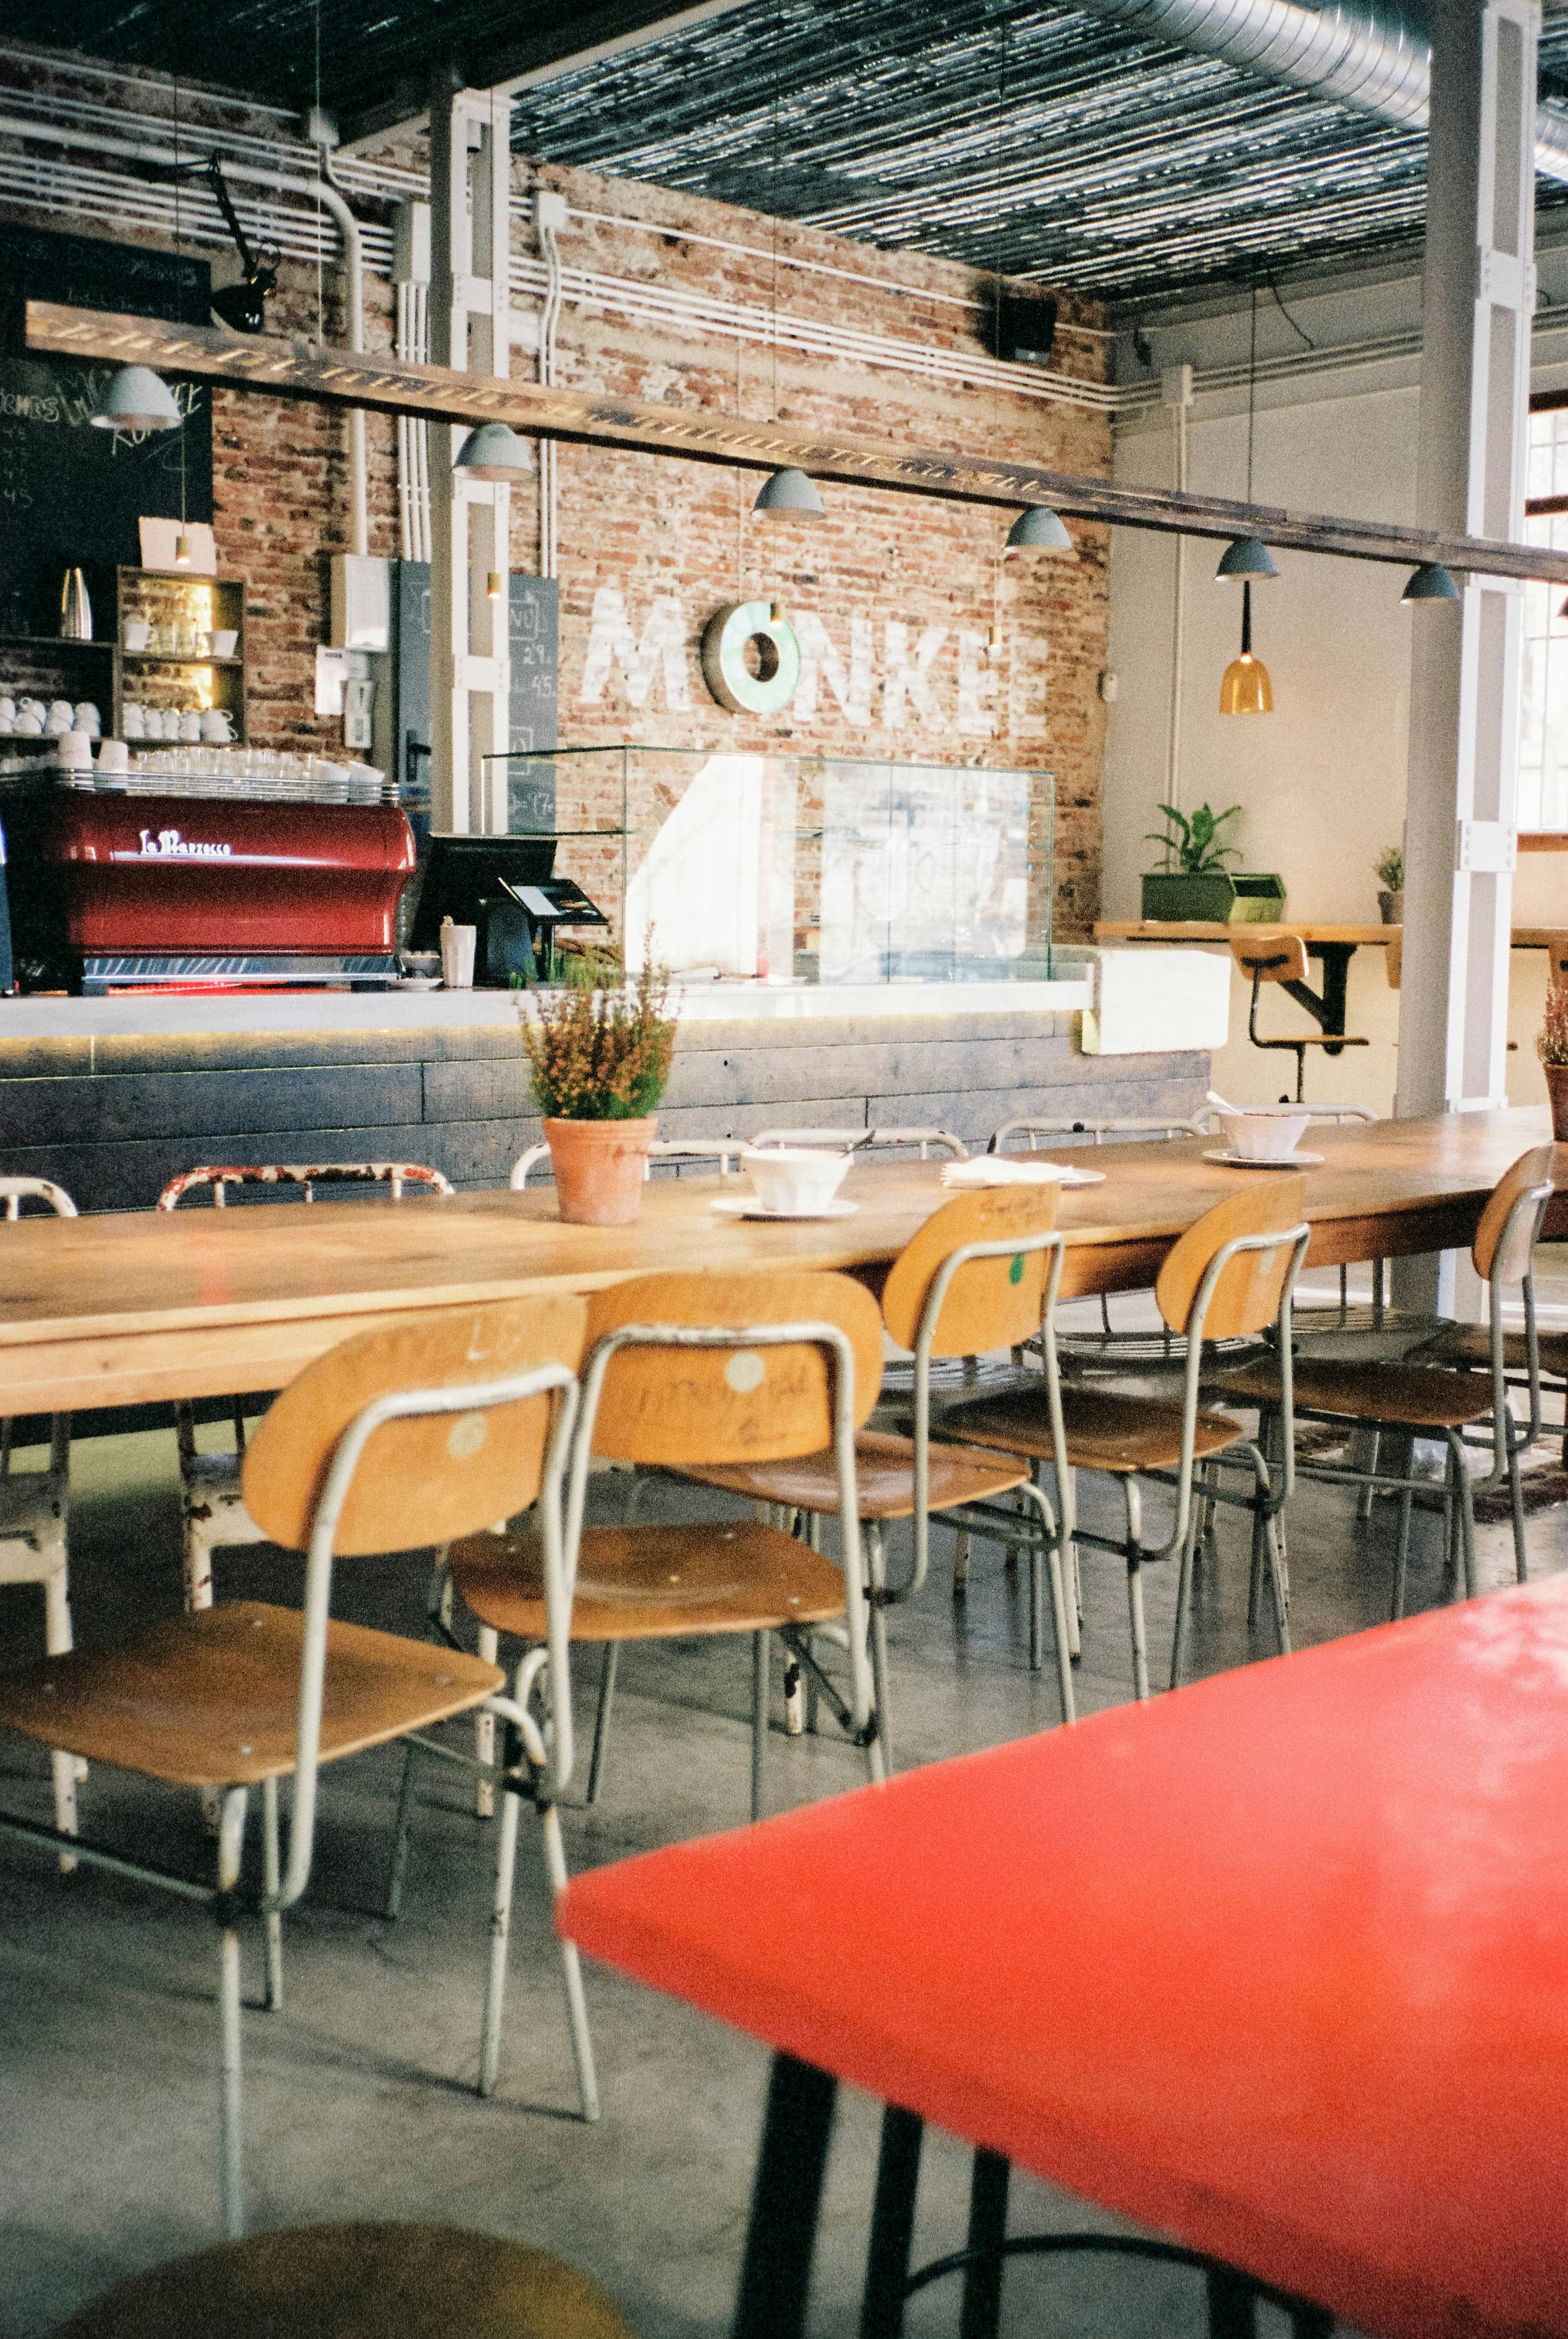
(683, 1370)
(33, 1506)
(1421, 1398)
(1227, 1277)
(402, 1437)
(981, 1274)
(212, 1505)
(346, 2281)
(1269, 956)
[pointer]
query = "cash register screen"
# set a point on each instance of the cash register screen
(465, 872)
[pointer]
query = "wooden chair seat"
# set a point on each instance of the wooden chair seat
(654, 1582)
(210, 1699)
(1404, 1397)
(885, 1478)
(350, 2281)
(1105, 1430)
(1471, 1344)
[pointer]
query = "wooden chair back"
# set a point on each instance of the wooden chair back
(1539, 1167)
(991, 1303)
(1247, 1296)
(1557, 959)
(427, 1480)
(1266, 955)
(1393, 957)
(670, 1406)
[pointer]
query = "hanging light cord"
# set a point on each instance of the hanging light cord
(1251, 386)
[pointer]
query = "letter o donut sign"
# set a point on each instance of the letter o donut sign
(724, 669)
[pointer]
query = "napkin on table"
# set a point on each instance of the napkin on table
(1006, 1169)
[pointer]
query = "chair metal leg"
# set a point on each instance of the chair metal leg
(56, 1642)
(1467, 1516)
(232, 2096)
(1278, 1584)
(1232, 2304)
(609, 1665)
(892, 2225)
(1368, 1492)
(487, 1645)
(1183, 1594)
(501, 1934)
(1401, 1559)
(959, 1565)
(571, 1969)
(759, 1721)
(397, 1868)
(272, 1878)
(871, 1542)
(980, 2313)
(1058, 1613)
(1516, 1505)
(1139, 1635)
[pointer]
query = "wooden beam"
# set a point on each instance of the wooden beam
(698, 434)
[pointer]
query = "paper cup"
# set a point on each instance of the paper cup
(458, 956)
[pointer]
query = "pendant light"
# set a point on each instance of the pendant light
(1245, 688)
(789, 494)
(1431, 582)
(494, 451)
(1036, 529)
(137, 399)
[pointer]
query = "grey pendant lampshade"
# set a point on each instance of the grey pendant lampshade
(1037, 530)
(1430, 582)
(1246, 556)
(494, 451)
(138, 400)
(789, 493)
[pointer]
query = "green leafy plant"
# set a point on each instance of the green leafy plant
(1552, 1040)
(1391, 870)
(1192, 845)
(600, 1047)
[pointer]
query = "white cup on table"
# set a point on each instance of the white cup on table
(795, 1177)
(457, 955)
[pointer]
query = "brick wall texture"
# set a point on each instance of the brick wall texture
(898, 593)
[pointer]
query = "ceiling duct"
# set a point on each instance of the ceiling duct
(1365, 57)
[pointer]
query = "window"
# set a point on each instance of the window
(1544, 729)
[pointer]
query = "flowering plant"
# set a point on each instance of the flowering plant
(600, 1047)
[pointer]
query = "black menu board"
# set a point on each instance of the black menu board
(71, 494)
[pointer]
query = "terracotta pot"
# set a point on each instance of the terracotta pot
(1557, 1094)
(1391, 908)
(600, 1166)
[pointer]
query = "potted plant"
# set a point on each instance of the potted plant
(1551, 1046)
(599, 1050)
(1200, 885)
(1391, 901)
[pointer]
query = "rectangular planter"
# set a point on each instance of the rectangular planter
(1246, 899)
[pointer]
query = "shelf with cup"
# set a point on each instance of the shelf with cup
(180, 652)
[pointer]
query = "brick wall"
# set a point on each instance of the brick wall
(649, 547)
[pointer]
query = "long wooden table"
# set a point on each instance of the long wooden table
(141, 1305)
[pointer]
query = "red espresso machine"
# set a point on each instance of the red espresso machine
(113, 892)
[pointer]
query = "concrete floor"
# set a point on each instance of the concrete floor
(359, 2099)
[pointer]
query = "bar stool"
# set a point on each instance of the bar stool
(1269, 956)
(342, 2282)
(33, 1515)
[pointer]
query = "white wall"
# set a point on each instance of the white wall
(1320, 781)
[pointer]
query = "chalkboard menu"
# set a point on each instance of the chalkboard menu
(533, 613)
(71, 494)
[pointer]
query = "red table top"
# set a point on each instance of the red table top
(1277, 1965)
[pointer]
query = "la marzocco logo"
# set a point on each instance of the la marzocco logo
(170, 845)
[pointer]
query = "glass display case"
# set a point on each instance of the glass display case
(758, 868)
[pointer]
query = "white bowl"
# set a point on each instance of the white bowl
(1272, 1133)
(795, 1177)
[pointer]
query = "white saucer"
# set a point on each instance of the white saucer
(1253, 1161)
(748, 1207)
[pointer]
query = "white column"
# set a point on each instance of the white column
(470, 520)
(1465, 664)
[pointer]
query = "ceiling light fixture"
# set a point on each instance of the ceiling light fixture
(494, 451)
(1246, 557)
(1431, 582)
(788, 494)
(1245, 688)
(1037, 530)
(138, 400)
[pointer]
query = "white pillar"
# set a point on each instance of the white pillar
(470, 520)
(1465, 664)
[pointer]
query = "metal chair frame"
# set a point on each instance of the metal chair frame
(34, 1515)
(538, 1765)
(862, 1140)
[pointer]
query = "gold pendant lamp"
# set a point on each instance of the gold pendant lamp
(1245, 688)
